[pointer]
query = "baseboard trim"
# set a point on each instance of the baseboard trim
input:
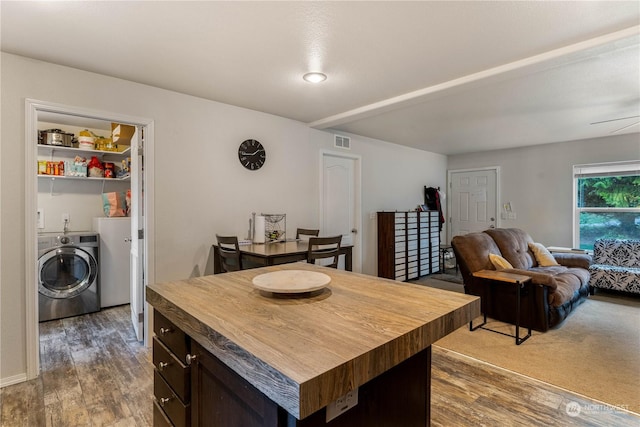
(16, 379)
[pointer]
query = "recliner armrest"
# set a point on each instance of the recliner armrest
(537, 278)
(573, 260)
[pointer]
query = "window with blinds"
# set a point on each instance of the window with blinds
(607, 202)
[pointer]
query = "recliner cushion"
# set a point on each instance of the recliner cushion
(567, 282)
(568, 285)
(474, 249)
(514, 246)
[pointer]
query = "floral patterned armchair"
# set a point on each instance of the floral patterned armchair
(616, 265)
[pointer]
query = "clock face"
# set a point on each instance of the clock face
(252, 154)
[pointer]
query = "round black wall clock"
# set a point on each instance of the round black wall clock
(252, 154)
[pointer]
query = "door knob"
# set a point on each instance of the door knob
(492, 219)
(354, 230)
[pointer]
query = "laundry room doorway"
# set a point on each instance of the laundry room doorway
(67, 198)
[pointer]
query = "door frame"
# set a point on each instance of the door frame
(32, 108)
(449, 199)
(357, 189)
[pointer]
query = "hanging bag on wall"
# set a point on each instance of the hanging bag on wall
(114, 204)
(432, 200)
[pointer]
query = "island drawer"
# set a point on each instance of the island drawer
(171, 405)
(159, 417)
(170, 335)
(174, 372)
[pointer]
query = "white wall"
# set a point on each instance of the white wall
(538, 180)
(393, 178)
(200, 186)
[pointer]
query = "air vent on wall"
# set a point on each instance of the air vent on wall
(342, 142)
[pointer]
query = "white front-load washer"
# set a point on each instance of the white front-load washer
(68, 278)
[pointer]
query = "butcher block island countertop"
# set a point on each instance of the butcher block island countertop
(305, 352)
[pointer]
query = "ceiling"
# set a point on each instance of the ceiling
(446, 77)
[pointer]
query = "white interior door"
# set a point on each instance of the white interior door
(473, 200)
(137, 234)
(340, 205)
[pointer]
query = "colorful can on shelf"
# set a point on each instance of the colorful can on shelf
(109, 170)
(51, 168)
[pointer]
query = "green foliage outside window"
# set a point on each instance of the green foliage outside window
(609, 192)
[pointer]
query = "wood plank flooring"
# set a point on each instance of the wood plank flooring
(95, 373)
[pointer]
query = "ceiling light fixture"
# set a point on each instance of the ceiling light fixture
(315, 77)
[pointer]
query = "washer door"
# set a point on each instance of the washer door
(66, 272)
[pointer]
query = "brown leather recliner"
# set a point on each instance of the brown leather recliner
(557, 290)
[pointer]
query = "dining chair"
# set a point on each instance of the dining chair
(324, 248)
(229, 251)
(306, 232)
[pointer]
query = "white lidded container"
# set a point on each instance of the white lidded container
(86, 142)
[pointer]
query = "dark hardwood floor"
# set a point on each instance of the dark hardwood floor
(95, 373)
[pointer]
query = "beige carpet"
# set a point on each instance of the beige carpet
(595, 352)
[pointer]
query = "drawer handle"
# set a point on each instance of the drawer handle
(162, 365)
(190, 358)
(165, 331)
(164, 401)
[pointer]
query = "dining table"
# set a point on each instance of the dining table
(275, 253)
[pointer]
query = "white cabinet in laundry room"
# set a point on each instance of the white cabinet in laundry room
(115, 268)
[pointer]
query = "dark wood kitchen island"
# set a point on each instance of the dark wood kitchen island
(227, 354)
